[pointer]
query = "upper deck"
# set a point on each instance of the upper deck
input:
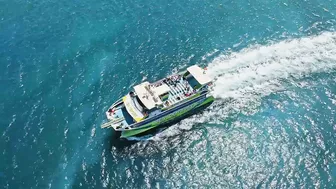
(173, 89)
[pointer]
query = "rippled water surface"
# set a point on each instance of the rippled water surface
(272, 125)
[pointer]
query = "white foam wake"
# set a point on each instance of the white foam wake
(259, 70)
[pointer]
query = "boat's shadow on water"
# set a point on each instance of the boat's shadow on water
(121, 143)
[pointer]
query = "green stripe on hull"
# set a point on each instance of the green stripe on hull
(164, 120)
(207, 101)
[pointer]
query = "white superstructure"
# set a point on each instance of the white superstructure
(150, 94)
(199, 74)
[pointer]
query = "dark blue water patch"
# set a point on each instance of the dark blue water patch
(35, 131)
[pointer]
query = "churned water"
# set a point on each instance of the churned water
(272, 125)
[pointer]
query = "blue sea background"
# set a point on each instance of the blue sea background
(272, 125)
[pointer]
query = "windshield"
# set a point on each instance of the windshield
(133, 107)
(138, 104)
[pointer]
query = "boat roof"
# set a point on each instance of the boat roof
(161, 89)
(199, 74)
(149, 94)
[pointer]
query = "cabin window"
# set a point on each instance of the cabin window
(193, 82)
(187, 75)
(139, 105)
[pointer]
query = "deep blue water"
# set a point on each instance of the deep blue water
(64, 62)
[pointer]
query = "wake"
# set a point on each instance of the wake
(246, 76)
(259, 69)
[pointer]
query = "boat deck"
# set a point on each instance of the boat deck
(179, 90)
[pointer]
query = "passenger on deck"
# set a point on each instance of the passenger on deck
(131, 93)
(110, 111)
(146, 114)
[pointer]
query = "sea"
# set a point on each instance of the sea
(64, 62)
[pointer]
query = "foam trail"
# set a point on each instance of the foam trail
(258, 71)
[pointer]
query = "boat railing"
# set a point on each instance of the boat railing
(179, 90)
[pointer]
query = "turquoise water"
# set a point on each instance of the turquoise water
(272, 126)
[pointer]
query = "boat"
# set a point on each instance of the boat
(150, 105)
